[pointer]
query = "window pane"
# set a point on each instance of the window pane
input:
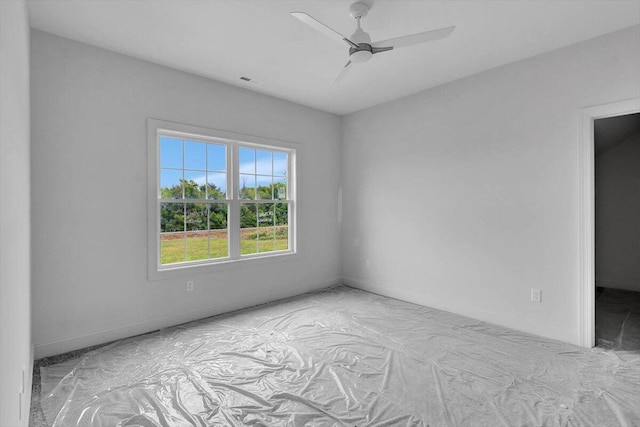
(218, 233)
(218, 243)
(282, 238)
(216, 157)
(194, 184)
(172, 238)
(266, 234)
(195, 155)
(247, 187)
(248, 218)
(216, 185)
(265, 215)
(171, 217)
(266, 239)
(279, 188)
(248, 241)
(248, 231)
(280, 163)
(171, 248)
(197, 245)
(218, 216)
(196, 225)
(264, 164)
(170, 152)
(265, 190)
(170, 184)
(281, 211)
(247, 160)
(195, 216)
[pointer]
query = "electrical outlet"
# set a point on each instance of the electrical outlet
(367, 264)
(189, 285)
(536, 295)
(21, 392)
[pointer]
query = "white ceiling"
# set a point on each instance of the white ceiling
(226, 39)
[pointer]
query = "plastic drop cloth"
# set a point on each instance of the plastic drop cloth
(344, 357)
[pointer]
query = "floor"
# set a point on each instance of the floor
(367, 366)
(36, 417)
(617, 319)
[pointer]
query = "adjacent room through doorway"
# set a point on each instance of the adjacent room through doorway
(617, 231)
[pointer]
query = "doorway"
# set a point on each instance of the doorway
(617, 231)
(587, 287)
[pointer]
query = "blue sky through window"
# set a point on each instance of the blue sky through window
(170, 152)
(247, 160)
(204, 163)
(195, 155)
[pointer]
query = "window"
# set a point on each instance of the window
(264, 210)
(217, 197)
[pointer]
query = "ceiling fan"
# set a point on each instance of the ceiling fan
(361, 49)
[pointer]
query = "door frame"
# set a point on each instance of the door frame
(587, 210)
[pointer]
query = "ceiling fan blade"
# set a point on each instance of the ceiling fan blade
(342, 72)
(317, 25)
(375, 50)
(412, 39)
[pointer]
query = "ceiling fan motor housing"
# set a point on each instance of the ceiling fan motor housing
(364, 52)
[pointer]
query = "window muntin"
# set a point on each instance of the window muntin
(193, 182)
(221, 199)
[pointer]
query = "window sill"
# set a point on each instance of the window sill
(195, 269)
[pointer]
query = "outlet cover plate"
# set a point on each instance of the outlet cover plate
(536, 295)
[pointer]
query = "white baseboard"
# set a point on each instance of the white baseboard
(65, 345)
(548, 331)
(26, 393)
(625, 285)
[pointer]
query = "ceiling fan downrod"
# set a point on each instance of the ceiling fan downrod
(364, 51)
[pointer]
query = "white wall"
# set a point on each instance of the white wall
(618, 216)
(89, 110)
(15, 265)
(464, 197)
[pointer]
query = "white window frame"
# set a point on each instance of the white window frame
(233, 141)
